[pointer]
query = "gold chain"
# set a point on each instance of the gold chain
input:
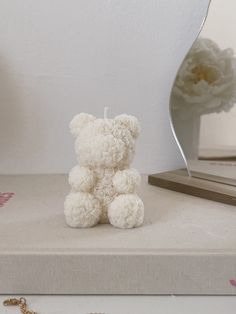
(21, 303)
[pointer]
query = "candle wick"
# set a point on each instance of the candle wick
(105, 112)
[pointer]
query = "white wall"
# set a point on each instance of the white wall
(61, 57)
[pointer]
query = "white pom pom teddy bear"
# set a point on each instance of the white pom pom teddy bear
(103, 186)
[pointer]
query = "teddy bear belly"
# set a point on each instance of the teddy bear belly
(104, 192)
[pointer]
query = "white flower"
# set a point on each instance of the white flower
(206, 81)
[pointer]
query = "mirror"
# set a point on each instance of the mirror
(203, 97)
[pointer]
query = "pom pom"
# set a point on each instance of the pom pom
(81, 179)
(82, 210)
(79, 122)
(126, 211)
(126, 181)
(130, 122)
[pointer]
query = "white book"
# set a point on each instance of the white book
(187, 245)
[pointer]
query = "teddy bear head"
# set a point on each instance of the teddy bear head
(108, 143)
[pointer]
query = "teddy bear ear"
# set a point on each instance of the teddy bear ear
(79, 122)
(130, 122)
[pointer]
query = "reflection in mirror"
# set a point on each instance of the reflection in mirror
(203, 98)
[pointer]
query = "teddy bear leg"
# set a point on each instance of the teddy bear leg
(82, 210)
(126, 211)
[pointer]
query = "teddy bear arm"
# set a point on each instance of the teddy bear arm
(126, 181)
(81, 179)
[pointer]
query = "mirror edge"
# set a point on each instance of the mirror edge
(170, 114)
